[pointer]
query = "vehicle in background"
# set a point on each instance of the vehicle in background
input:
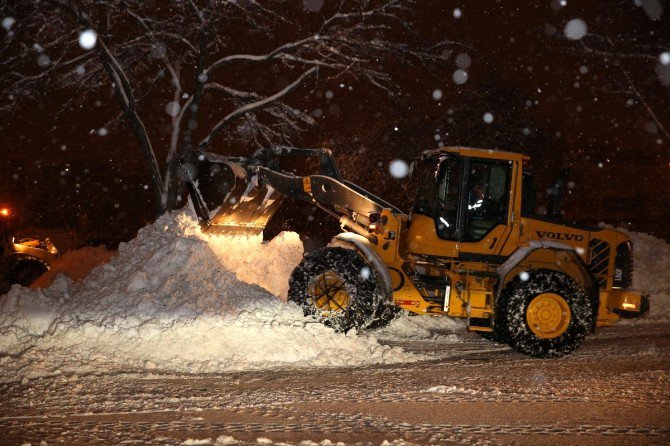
(22, 261)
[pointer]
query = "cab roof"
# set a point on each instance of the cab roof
(477, 153)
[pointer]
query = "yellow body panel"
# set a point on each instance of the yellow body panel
(617, 299)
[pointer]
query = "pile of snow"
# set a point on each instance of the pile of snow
(177, 300)
(172, 301)
(424, 328)
(266, 265)
(76, 265)
(651, 260)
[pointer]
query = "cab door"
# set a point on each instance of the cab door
(433, 224)
(486, 225)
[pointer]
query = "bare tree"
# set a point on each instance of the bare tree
(220, 69)
(627, 51)
(605, 48)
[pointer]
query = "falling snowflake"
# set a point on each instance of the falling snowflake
(653, 8)
(172, 108)
(460, 77)
(365, 273)
(87, 39)
(313, 5)
(557, 5)
(8, 22)
(488, 117)
(463, 61)
(665, 58)
(398, 169)
(524, 276)
(43, 60)
(575, 29)
(458, 13)
(437, 94)
(651, 127)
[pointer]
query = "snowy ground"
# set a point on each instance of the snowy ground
(181, 339)
(614, 390)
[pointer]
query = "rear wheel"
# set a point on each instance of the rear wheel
(546, 316)
(337, 287)
(492, 336)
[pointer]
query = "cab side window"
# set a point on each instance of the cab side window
(488, 198)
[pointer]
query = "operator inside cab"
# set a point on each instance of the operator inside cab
(477, 201)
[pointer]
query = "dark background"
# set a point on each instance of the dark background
(599, 106)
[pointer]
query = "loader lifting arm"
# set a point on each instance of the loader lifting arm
(239, 195)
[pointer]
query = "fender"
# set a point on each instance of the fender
(520, 254)
(361, 244)
(587, 279)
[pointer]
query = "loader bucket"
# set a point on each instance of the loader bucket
(226, 194)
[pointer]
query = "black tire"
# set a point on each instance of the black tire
(365, 294)
(499, 333)
(386, 313)
(571, 327)
(492, 336)
(26, 271)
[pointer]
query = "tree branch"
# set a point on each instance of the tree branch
(253, 106)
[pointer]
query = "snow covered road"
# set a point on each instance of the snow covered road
(183, 338)
(614, 390)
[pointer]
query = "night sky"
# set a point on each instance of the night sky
(597, 103)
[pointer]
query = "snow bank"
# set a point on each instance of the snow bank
(75, 264)
(172, 300)
(651, 259)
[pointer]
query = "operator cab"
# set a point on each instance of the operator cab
(464, 201)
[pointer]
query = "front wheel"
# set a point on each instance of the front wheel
(546, 316)
(337, 287)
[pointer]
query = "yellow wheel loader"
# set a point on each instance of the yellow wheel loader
(471, 246)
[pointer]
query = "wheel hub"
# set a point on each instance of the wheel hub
(548, 315)
(328, 294)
